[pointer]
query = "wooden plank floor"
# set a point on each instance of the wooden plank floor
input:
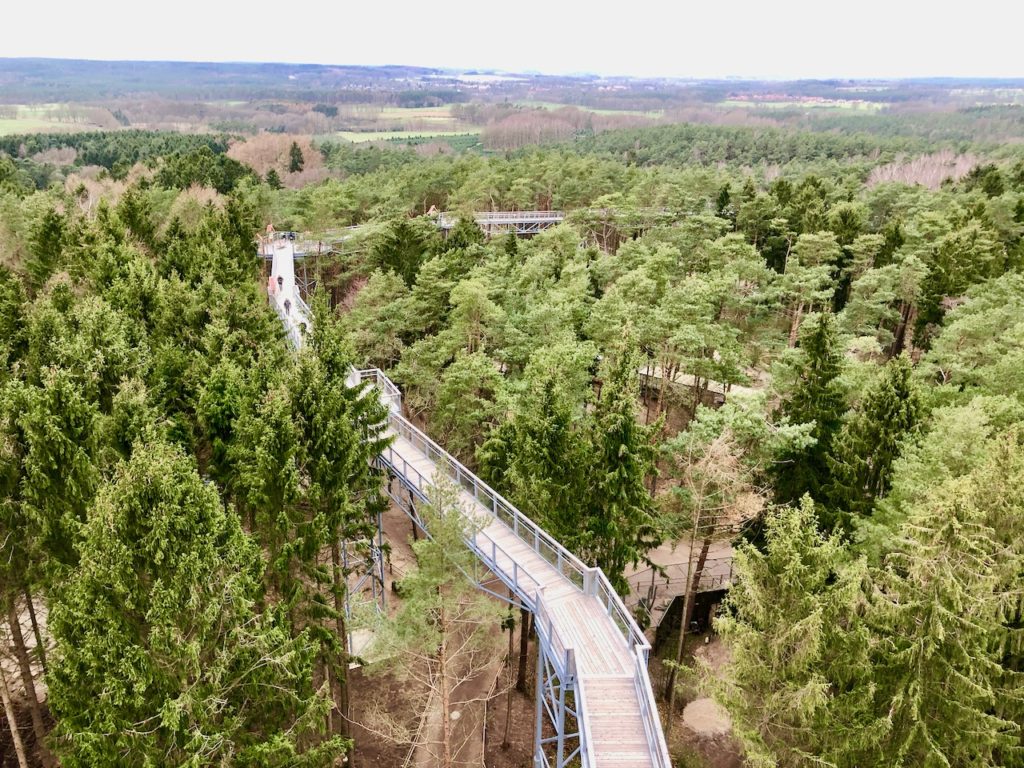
(603, 660)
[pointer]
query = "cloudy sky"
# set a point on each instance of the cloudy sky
(685, 38)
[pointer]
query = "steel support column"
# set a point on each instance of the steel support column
(556, 705)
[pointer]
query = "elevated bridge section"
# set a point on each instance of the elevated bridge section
(523, 223)
(595, 705)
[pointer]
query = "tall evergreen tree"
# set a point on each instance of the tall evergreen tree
(937, 616)
(296, 162)
(798, 683)
(620, 526)
(45, 247)
(538, 460)
(161, 658)
(864, 451)
(816, 398)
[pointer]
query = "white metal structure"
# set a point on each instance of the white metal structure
(496, 222)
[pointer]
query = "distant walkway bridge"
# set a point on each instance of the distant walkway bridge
(595, 705)
(523, 223)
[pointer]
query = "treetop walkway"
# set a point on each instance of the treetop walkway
(594, 699)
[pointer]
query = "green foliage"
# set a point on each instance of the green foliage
(442, 634)
(161, 657)
(937, 609)
(202, 167)
(863, 452)
(816, 397)
(402, 248)
(798, 686)
(296, 162)
(620, 524)
(111, 149)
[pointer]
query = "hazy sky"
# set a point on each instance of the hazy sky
(695, 38)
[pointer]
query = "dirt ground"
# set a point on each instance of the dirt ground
(519, 753)
(370, 749)
(7, 757)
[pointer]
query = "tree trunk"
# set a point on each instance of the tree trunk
(445, 689)
(903, 330)
(505, 743)
(667, 373)
(21, 653)
(40, 646)
(646, 391)
(12, 721)
(524, 649)
(794, 326)
(688, 604)
(339, 679)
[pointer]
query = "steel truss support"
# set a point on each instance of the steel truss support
(557, 742)
(558, 745)
(306, 274)
(362, 562)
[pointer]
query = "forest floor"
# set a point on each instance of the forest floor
(12, 674)
(701, 730)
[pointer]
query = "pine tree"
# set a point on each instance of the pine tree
(864, 451)
(161, 658)
(273, 179)
(442, 636)
(816, 397)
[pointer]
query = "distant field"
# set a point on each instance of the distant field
(29, 125)
(23, 118)
(359, 137)
(443, 114)
(854, 106)
(555, 105)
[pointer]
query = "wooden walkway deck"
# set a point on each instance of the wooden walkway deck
(605, 661)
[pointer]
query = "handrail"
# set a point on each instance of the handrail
(586, 738)
(590, 580)
(649, 713)
(489, 554)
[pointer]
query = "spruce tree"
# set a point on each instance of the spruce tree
(816, 398)
(537, 460)
(46, 247)
(864, 451)
(937, 615)
(798, 683)
(273, 179)
(620, 526)
(296, 161)
(161, 658)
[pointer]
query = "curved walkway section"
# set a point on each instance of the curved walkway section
(583, 622)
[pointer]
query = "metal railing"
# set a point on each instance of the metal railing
(293, 325)
(589, 580)
(483, 218)
(649, 713)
